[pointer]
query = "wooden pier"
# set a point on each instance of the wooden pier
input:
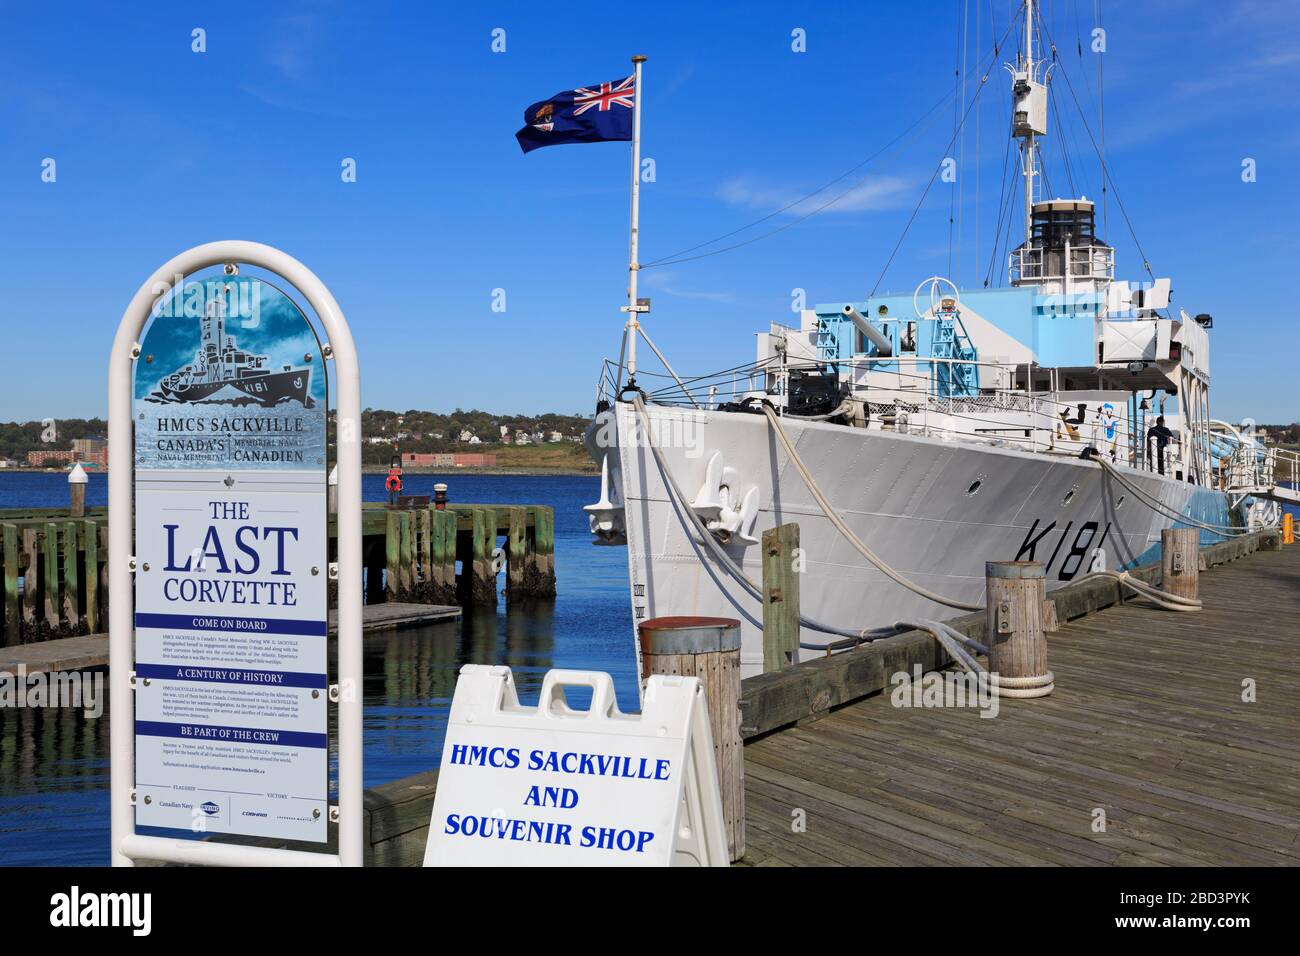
(1147, 726)
(55, 572)
(1147, 731)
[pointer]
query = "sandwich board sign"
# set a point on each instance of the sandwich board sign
(554, 786)
(231, 540)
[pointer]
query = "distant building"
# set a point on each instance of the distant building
(89, 446)
(8, 463)
(521, 438)
(448, 460)
(379, 440)
(59, 456)
(554, 437)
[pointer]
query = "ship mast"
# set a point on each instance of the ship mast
(1028, 145)
(1030, 117)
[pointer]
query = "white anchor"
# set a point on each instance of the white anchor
(725, 511)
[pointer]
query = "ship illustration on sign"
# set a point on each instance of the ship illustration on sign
(223, 373)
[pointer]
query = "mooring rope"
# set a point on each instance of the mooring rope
(947, 636)
(950, 639)
(1155, 504)
(724, 560)
(829, 511)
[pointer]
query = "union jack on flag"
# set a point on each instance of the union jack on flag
(606, 97)
(597, 113)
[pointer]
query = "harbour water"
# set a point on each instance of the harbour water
(54, 763)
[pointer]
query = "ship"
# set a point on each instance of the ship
(1062, 418)
(223, 373)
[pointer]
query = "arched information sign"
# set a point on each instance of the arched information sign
(218, 615)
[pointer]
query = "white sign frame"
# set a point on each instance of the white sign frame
(127, 846)
(661, 775)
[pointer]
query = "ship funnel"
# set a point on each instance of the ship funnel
(884, 347)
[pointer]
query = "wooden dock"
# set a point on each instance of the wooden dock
(55, 572)
(81, 653)
(1147, 724)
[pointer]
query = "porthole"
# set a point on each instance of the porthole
(882, 310)
(974, 487)
(1120, 504)
(1069, 496)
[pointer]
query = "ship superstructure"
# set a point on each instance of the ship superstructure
(1063, 418)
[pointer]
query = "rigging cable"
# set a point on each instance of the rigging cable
(984, 78)
(681, 255)
(1107, 178)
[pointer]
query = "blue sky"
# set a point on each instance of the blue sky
(159, 148)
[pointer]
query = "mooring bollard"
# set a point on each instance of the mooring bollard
(1017, 595)
(1180, 561)
(708, 648)
(440, 496)
(77, 491)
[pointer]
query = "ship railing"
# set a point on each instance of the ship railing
(1085, 263)
(1011, 418)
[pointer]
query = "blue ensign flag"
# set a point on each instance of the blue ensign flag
(589, 114)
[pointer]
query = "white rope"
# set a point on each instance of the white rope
(1157, 505)
(721, 556)
(948, 637)
(1166, 599)
(1015, 688)
(847, 532)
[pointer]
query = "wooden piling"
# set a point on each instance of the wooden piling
(405, 556)
(51, 548)
(708, 648)
(77, 498)
(31, 574)
(1180, 561)
(516, 553)
(71, 579)
(539, 564)
(420, 524)
(91, 546)
(780, 598)
(483, 578)
(442, 548)
(1017, 593)
(13, 614)
(392, 549)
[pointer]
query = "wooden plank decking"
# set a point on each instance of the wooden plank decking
(78, 653)
(1147, 723)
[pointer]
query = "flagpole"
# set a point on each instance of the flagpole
(633, 267)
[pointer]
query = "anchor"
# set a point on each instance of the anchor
(725, 510)
(606, 515)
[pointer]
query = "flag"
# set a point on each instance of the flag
(589, 114)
